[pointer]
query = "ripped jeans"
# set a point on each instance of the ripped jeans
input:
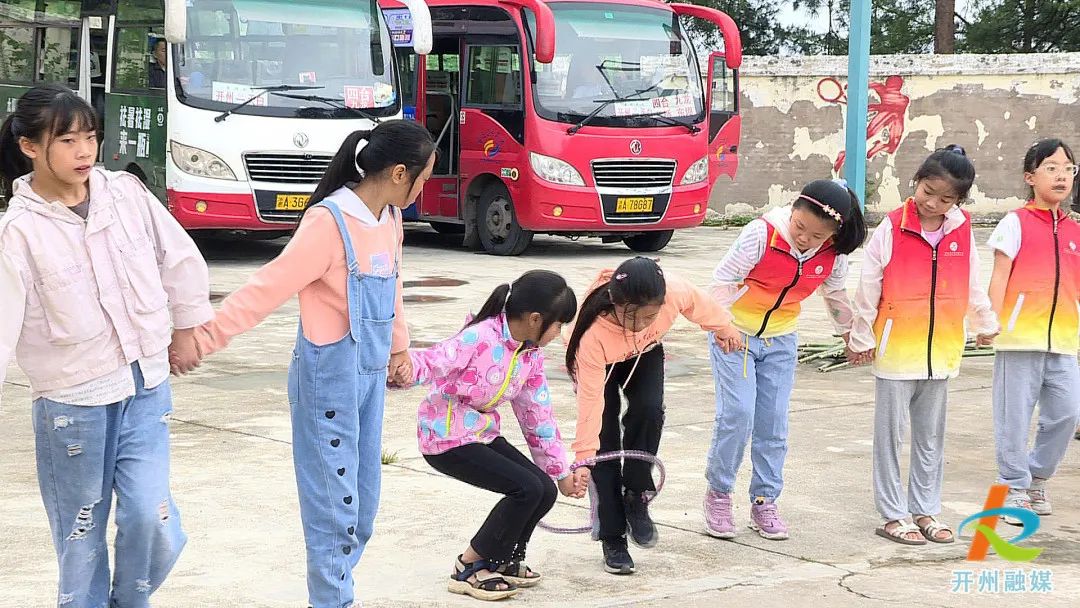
(84, 454)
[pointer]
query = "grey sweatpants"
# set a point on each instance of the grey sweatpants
(921, 405)
(1022, 379)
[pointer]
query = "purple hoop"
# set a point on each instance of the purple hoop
(588, 462)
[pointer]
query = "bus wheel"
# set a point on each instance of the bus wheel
(499, 230)
(448, 227)
(649, 241)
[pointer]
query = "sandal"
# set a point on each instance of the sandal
(899, 532)
(931, 530)
(483, 586)
(519, 574)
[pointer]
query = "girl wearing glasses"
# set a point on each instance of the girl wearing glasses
(1035, 289)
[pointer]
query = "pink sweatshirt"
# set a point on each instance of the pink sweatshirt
(467, 373)
(606, 342)
(313, 265)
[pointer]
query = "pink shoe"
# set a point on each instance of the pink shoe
(765, 519)
(719, 520)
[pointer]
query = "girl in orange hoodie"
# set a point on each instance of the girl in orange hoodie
(616, 347)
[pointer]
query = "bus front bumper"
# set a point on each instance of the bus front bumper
(548, 207)
(220, 211)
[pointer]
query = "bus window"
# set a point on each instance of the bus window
(60, 56)
(134, 57)
(723, 87)
(494, 76)
(17, 54)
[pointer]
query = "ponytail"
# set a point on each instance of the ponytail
(852, 232)
(13, 163)
(540, 291)
(596, 303)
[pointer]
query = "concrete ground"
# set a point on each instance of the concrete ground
(233, 478)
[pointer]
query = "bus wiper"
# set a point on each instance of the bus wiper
(263, 91)
(603, 103)
(332, 102)
(660, 117)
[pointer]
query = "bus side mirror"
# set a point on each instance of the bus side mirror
(176, 21)
(421, 26)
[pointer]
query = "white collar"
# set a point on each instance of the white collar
(351, 204)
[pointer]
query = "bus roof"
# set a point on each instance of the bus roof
(545, 34)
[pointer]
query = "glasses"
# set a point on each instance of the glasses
(1052, 169)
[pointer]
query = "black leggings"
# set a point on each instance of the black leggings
(640, 430)
(500, 467)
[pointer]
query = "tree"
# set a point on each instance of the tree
(896, 26)
(759, 27)
(1023, 26)
(944, 26)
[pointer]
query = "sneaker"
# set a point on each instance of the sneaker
(765, 519)
(1040, 499)
(617, 559)
(1017, 499)
(642, 529)
(719, 519)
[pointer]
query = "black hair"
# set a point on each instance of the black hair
(1044, 149)
(635, 283)
(539, 291)
(44, 112)
(392, 143)
(840, 200)
(950, 163)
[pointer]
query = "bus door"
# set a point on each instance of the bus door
(724, 122)
(441, 108)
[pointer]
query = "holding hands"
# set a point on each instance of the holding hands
(728, 339)
(184, 353)
(399, 372)
(576, 484)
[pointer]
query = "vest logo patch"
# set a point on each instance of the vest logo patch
(820, 269)
(953, 246)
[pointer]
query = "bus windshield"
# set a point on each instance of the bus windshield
(338, 50)
(636, 62)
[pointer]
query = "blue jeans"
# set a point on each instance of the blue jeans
(84, 454)
(753, 394)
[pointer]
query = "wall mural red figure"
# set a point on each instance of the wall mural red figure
(885, 117)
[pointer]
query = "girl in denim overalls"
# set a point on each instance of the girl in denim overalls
(94, 277)
(343, 262)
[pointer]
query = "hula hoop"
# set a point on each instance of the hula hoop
(588, 462)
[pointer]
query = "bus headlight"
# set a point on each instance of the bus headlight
(697, 173)
(554, 170)
(200, 162)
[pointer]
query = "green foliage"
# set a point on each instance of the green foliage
(1023, 26)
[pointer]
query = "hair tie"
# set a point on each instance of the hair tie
(841, 181)
(360, 145)
(620, 276)
(831, 212)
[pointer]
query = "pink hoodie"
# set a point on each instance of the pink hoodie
(473, 373)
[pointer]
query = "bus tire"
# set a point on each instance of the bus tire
(448, 227)
(497, 223)
(649, 241)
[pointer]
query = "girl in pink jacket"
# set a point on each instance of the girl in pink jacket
(96, 280)
(497, 359)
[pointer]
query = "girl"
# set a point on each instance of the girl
(344, 262)
(776, 263)
(94, 275)
(1035, 289)
(616, 347)
(920, 278)
(497, 359)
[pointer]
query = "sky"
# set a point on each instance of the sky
(820, 23)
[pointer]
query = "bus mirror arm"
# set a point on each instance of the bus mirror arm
(421, 25)
(175, 21)
(726, 25)
(545, 28)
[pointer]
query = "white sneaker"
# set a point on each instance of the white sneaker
(1017, 499)
(1040, 499)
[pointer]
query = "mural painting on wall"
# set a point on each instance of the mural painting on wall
(885, 117)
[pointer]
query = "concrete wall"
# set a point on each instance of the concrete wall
(995, 106)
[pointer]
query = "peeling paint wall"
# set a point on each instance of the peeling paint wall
(995, 106)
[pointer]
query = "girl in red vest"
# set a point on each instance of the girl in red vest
(776, 263)
(1035, 290)
(919, 283)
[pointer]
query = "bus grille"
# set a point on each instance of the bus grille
(285, 168)
(633, 173)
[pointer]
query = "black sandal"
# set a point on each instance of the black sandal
(520, 574)
(483, 586)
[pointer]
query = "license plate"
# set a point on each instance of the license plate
(291, 202)
(634, 204)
